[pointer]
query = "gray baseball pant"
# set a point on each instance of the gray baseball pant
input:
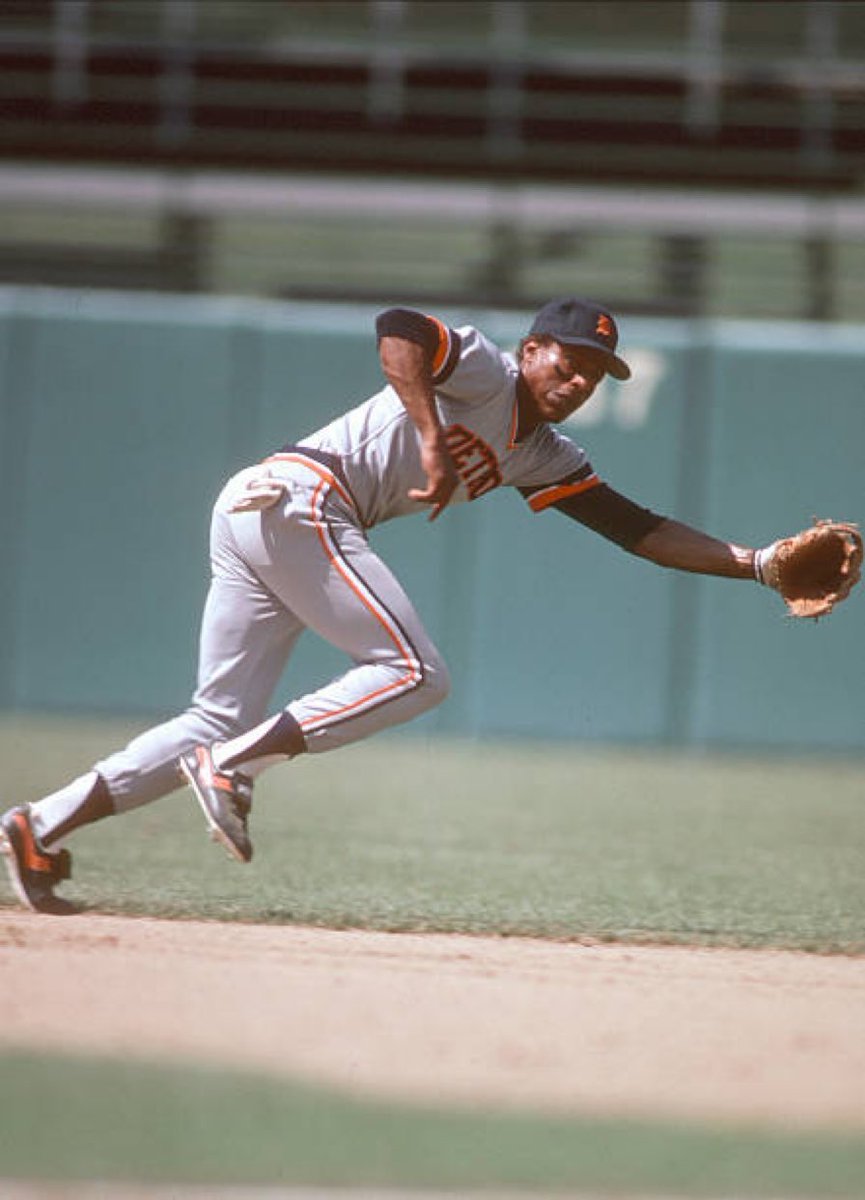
(303, 564)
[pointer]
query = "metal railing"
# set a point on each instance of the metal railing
(663, 251)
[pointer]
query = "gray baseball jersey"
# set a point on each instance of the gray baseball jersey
(378, 448)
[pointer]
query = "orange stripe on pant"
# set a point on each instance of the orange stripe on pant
(412, 676)
(316, 468)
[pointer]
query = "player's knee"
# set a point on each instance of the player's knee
(436, 683)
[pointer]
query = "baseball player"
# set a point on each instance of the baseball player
(289, 551)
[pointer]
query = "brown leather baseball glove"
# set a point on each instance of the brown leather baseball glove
(813, 570)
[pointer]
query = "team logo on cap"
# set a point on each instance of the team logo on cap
(604, 326)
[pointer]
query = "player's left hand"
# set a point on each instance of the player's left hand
(813, 570)
(441, 475)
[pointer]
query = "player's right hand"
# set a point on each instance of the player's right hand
(441, 475)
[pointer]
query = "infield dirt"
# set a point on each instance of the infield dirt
(767, 1038)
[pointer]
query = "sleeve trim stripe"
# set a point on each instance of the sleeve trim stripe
(447, 353)
(543, 499)
(440, 356)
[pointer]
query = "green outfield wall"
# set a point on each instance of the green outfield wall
(121, 415)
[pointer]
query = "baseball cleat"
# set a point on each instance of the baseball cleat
(33, 871)
(225, 800)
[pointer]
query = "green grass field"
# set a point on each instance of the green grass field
(549, 841)
(404, 834)
(82, 1120)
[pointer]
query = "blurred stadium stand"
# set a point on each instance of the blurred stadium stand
(672, 156)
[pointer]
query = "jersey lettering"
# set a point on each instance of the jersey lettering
(475, 461)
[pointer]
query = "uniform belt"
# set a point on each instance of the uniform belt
(333, 462)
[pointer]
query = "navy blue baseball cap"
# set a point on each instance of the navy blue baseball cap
(577, 322)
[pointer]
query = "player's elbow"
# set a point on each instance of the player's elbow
(652, 544)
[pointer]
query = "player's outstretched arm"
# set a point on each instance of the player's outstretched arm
(812, 570)
(673, 544)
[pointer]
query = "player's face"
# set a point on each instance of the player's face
(559, 379)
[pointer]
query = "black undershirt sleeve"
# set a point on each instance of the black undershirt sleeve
(610, 514)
